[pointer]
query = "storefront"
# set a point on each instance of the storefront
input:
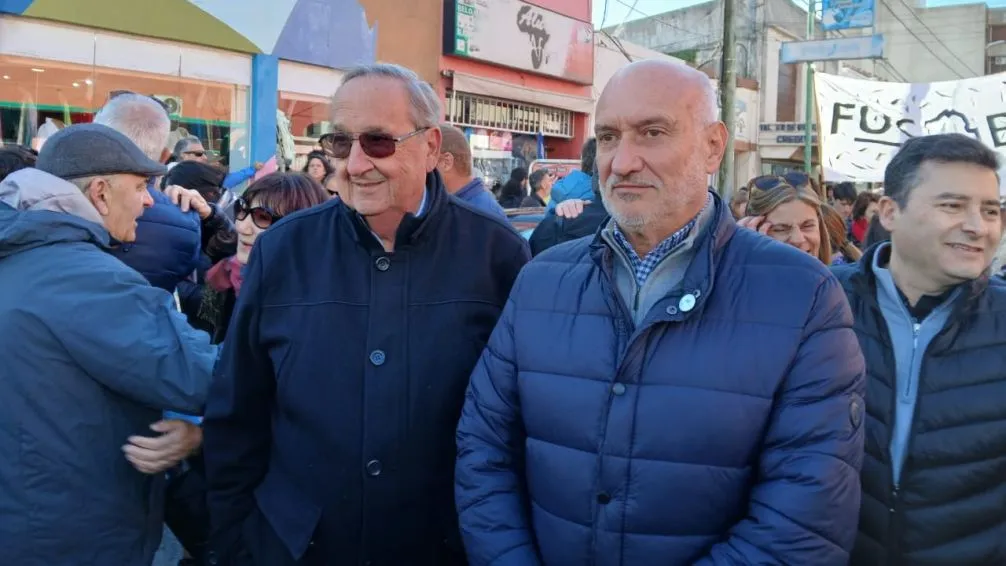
(305, 93)
(238, 83)
(516, 77)
(781, 147)
(65, 78)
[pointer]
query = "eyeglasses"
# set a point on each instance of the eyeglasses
(795, 179)
(195, 153)
(378, 146)
(261, 216)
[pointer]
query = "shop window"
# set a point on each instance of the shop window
(42, 95)
(785, 104)
(310, 118)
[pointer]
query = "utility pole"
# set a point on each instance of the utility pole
(808, 73)
(728, 88)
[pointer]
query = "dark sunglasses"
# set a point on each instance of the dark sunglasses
(116, 93)
(378, 146)
(261, 216)
(795, 179)
(196, 153)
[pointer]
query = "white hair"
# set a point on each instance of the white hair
(83, 183)
(139, 118)
(426, 109)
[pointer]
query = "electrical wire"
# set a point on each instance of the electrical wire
(924, 44)
(938, 40)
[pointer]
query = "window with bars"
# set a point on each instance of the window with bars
(477, 111)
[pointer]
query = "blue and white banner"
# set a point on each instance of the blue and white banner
(846, 14)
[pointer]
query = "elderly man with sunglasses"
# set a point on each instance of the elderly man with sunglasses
(705, 404)
(329, 433)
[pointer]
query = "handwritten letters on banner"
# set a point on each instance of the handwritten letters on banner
(862, 123)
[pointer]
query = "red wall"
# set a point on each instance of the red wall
(557, 148)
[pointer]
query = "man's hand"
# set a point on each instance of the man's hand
(259, 165)
(161, 453)
(187, 199)
(570, 208)
(756, 223)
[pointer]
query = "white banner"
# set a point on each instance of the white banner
(862, 123)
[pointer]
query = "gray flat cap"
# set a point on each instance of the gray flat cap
(84, 150)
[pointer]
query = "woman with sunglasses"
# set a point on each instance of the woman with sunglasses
(266, 201)
(788, 209)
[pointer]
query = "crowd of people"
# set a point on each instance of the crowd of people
(361, 363)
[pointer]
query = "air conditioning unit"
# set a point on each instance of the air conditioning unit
(173, 104)
(999, 60)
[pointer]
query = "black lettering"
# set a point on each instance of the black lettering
(836, 115)
(997, 125)
(900, 125)
(865, 126)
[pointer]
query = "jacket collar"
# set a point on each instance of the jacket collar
(710, 244)
(863, 281)
(412, 229)
(474, 188)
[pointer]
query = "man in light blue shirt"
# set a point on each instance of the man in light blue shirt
(932, 327)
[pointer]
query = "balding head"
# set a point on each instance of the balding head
(455, 162)
(141, 119)
(658, 140)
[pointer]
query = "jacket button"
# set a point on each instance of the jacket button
(383, 263)
(672, 310)
(377, 357)
(374, 468)
(687, 303)
(603, 498)
(618, 389)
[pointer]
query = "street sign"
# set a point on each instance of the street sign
(846, 14)
(844, 48)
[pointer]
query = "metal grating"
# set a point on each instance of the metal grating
(477, 111)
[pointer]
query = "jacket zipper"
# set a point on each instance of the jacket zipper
(895, 523)
(916, 326)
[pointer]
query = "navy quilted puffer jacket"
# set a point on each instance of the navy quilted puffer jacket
(167, 246)
(729, 434)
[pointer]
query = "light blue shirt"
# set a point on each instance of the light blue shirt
(419, 214)
(910, 339)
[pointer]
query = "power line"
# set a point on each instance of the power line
(940, 41)
(924, 44)
(632, 8)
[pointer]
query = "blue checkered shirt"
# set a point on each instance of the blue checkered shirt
(642, 268)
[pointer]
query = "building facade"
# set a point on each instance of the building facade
(771, 96)
(515, 76)
(238, 75)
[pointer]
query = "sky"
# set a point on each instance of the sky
(619, 10)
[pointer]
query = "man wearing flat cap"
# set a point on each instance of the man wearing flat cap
(90, 355)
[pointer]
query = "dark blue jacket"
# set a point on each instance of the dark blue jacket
(476, 194)
(729, 434)
(950, 506)
(329, 433)
(166, 249)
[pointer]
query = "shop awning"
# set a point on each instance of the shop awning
(506, 91)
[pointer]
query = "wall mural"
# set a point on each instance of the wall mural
(329, 33)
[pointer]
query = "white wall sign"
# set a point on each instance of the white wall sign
(863, 123)
(513, 33)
